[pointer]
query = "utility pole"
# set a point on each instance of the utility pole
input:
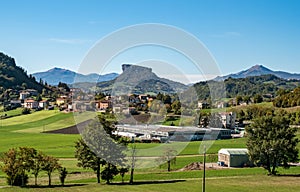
(203, 179)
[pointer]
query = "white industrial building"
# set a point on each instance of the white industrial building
(237, 157)
(173, 133)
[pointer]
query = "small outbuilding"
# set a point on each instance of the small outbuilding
(234, 157)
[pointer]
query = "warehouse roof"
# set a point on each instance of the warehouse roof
(235, 151)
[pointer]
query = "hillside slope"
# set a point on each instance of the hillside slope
(14, 77)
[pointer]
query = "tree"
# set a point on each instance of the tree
(168, 156)
(122, 172)
(109, 172)
(176, 106)
(98, 136)
(215, 120)
(26, 155)
(100, 146)
(17, 162)
(62, 175)
(257, 98)
(10, 165)
(87, 158)
(132, 162)
(37, 165)
(50, 164)
(271, 142)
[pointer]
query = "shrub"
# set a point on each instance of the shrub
(26, 111)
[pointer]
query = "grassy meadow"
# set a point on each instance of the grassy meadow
(27, 130)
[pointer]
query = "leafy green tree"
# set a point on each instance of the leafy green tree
(37, 165)
(10, 165)
(50, 164)
(100, 139)
(87, 158)
(16, 164)
(26, 162)
(109, 172)
(176, 106)
(271, 142)
(101, 147)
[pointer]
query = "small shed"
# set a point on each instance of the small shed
(233, 157)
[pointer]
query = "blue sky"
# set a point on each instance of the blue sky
(239, 33)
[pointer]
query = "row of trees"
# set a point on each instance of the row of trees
(18, 162)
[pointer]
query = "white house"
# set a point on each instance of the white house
(24, 95)
(31, 103)
(43, 104)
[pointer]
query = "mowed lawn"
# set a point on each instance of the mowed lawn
(26, 130)
(246, 179)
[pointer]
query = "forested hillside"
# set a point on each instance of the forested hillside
(249, 86)
(14, 77)
(287, 98)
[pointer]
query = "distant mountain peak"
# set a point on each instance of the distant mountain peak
(258, 70)
(258, 67)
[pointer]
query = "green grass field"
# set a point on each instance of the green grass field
(26, 130)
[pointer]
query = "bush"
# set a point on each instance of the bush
(26, 111)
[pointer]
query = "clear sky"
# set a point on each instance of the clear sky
(239, 33)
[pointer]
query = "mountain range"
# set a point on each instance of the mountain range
(258, 70)
(56, 75)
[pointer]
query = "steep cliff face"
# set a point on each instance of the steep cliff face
(138, 79)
